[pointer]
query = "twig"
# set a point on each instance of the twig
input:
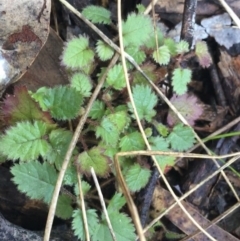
(103, 204)
(72, 145)
(84, 214)
(231, 13)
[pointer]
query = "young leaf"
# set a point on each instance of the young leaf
(187, 105)
(141, 8)
(137, 177)
(171, 44)
(203, 55)
(64, 209)
(26, 141)
(182, 47)
(82, 83)
(181, 138)
(145, 100)
(116, 203)
(160, 144)
(162, 55)
(77, 53)
(162, 129)
(98, 109)
(59, 140)
(122, 227)
(111, 126)
(85, 188)
(115, 77)
(63, 102)
(21, 107)
(132, 142)
(36, 180)
(151, 41)
(78, 226)
(104, 51)
(94, 158)
(97, 14)
(136, 29)
(70, 177)
(180, 79)
(138, 55)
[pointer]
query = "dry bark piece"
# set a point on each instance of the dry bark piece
(46, 69)
(162, 199)
(230, 71)
(24, 27)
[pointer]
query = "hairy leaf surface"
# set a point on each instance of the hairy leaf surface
(145, 100)
(36, 180)
(104, 51)
(160, 144)
(181, 138)
(136, 29)
(26, 141)
(82, 83)
(115, 77)
(137, 177)
(63, 102)
(132, 142)
(97, 14)
(94, 158)
(111, 126)
(77, 53)
(21, 107)
(181, 77)
(78, 226)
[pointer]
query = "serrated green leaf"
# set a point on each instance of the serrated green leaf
(122, 227)
(116, 203)
(26, 141)
(21, 107)
(151, 42)
(115, 77)
(98, 109)
(137, 177)
(171, 44)
(181, 138)
(162, 129)
(77, 53)
(138, 55)
(111, 126)
(59, 141)
(97, 14)
(141, 8)
(145, 100)
(82, 83)
(162, 55)
(180, 79)
(182, 47)
(36, 180)
(136, 29)
(160, 144)
(63, 102)
(70, 177)
(104, 51)
(78, 226)
(204, 58)
(132, 142)
(64, 209)
(85, 188)
(94, 158)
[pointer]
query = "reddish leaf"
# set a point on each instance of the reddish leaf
(188, 106)
(21, 106)
(24, 27)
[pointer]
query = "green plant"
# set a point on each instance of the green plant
(36, 133)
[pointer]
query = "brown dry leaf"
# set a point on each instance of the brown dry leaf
(24, 28)
(162, 199)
